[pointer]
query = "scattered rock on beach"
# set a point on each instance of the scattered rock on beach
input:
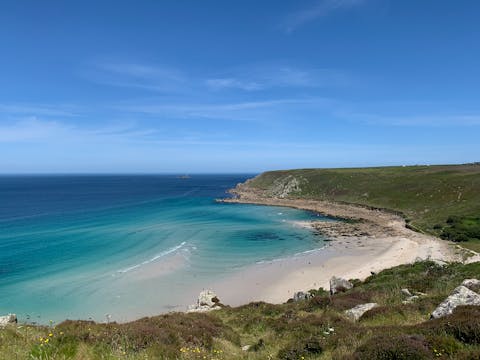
(356, 312)
(339, 285)
(207, 300)
(8, 319)
(460, 296)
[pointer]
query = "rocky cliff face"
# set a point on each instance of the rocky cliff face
(281, 188)
(285, 186)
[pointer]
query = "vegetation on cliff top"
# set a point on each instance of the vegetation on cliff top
(441, 200)
(311, 329)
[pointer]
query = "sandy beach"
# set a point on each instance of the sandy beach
(373, 241)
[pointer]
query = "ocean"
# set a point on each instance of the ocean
(121, 247)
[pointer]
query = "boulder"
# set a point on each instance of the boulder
(207, 300)
(356, 312)
(472, 284)
(460, 296)
(339, 285)
(8, 319)
(406, 292)
(300, 295)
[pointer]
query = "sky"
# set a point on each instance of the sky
(149, 86)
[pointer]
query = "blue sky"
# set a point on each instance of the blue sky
(244, 86)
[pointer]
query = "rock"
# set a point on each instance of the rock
(339, 285)
(356, 312)
(472, 284)
(460, 296)
(300, 295)
(285, 185)
(207, 300)
(410, 299)
(406, 292)
(246, 347)
(8, 319)
(439, 262)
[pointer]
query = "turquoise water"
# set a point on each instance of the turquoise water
(128, 246)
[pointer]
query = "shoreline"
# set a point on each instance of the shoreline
(369, 241)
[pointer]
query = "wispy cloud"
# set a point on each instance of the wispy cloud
(50, 110)
(158, 78)
(225, 83)
(246, 78)
(268, 76)
(33, 129)
(258, 111)
(430, 120)
(319, 10)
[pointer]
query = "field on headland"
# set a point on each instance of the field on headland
(440, 200)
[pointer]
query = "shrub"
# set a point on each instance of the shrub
(166, 332)
(300, 349)
(351, 299)
(394, 347)
(463, 324)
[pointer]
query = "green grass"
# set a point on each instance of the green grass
(426, 195)
(310, 329)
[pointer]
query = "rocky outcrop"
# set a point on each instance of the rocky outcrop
(338, 285)
(284, 186)
(460, 296)
(8, 319)
(300, 295)
(207, 301)
(472, 284)
(357, 312)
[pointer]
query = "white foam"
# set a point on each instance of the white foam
(156, 257)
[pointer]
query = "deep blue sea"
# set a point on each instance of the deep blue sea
(128, 246)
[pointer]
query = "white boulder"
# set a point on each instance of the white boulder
(460, 296)
(339, 285)
(356, 312)
(472, 284)
(207, 301)
(8, 319)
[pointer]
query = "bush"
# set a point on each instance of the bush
(463, 324)
(394, 347)
(349, 300)
(166, 332)
(301, 349)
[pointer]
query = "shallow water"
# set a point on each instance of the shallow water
(129, 246)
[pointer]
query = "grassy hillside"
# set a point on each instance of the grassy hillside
(311, 329)
(443, 200)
